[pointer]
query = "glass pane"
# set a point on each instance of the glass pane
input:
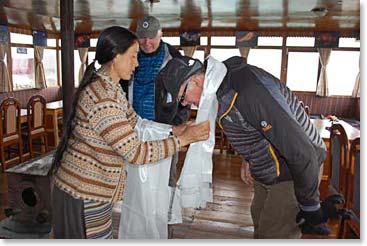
(302, 71)
(203, 40)
(300, 41)
(199, 54)
(23, 68)
(21, 38)
(91, 56)
(51, 42)
(93, 42)
(267, 59)
(224, 54)
(342, 71)
(49, 64)
(270, 41)
(230, 41)
(171, 40)
(349, 42)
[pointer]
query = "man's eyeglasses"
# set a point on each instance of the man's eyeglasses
(182, 98)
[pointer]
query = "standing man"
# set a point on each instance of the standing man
(153, 56)
(266, 124)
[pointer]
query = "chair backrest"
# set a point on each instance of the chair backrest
(10, 119)
(307, 110)
(339, 152)
(36, 113)
(353, 195)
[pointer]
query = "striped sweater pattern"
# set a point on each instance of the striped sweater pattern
(92, 167)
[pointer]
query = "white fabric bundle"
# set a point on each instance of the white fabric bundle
(147, 196)
(146, 200)
(195, 182)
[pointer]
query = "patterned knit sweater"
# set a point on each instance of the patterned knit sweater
(92, 167)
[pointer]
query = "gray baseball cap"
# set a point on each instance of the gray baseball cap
(148, 27)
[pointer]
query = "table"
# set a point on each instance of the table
(54, 111)
(322, 126)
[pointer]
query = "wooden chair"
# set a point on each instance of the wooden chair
(339, 153)
(305, 107)
(353, 194)
(339, 150)
(307, 110)
(36, 117)
(10, 128)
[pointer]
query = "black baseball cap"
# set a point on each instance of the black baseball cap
(177, 71)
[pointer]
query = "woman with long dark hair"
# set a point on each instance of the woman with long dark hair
(99, 136)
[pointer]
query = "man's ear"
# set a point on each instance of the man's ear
(199, 79)
(160, 33)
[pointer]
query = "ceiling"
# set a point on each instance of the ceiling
(268, 16)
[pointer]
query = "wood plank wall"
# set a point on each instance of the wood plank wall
(341, 106)
(50, 94)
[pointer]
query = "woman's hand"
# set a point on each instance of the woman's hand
(194, 133)
(178, 130)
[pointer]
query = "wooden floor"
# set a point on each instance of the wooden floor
(227, 217)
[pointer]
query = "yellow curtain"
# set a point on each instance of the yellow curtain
(322, 86)
(40, 71)
(244, 51)
(189, 50)
(5, 84)
(83, 54)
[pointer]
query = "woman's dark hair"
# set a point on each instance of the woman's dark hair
(111, 42)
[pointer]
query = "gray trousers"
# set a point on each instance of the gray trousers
(274, 210)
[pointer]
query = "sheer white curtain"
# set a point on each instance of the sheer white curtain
(40, 71)
(244, 51)
(322, 86)
(189, 50)
(83, 54)
(357, 85)
(5, 84)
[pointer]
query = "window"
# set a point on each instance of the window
(171, 40)
(23, 68)
(342, 71)
(267, 59)
(270, 41)
(229, 41)
(199, 54)
(51, 42)
(49, 64)
(300, 41)
(21, 38)
(224, 54)
(91, 56)
(302, 71)
(349, 42)
(93, 42)
(203, 40)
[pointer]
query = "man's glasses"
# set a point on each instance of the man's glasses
(182, 98)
